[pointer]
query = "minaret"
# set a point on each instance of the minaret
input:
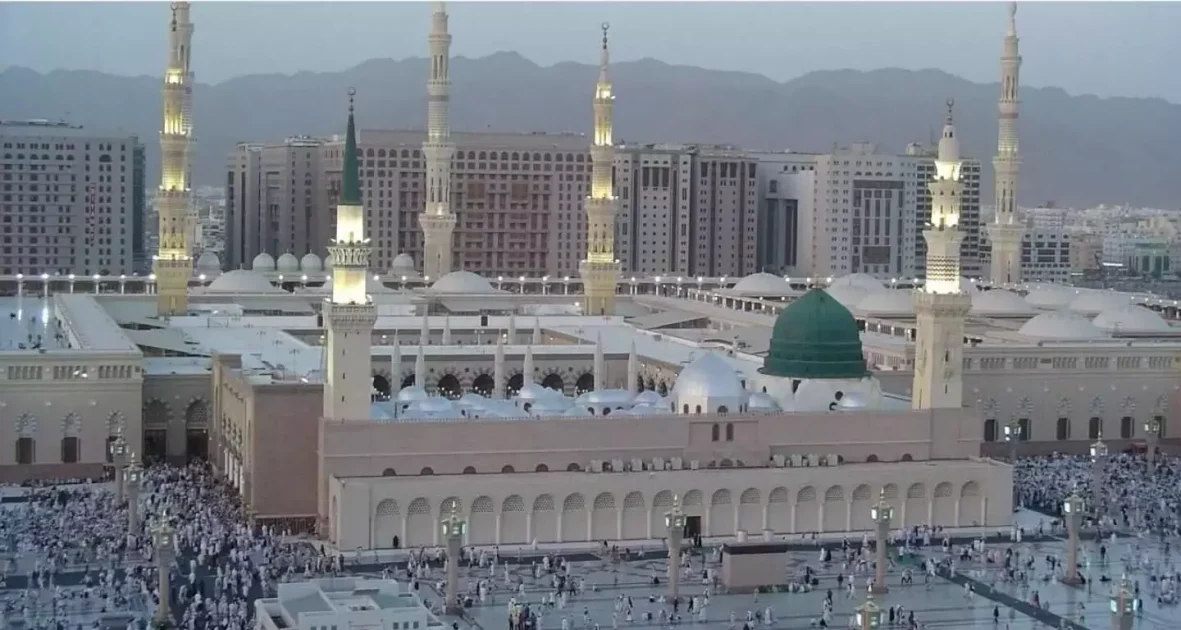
(173, 263)
(1006, 230)
(600, 270)
(536, 331)
(396, 366)
(527, 371)
(424, 333)
(349, 315)
(498, 373)
(941, 305)
(512, 330)
(446, 330)
(600, 365)
(437, 220)
(420, 367)
(633, 370)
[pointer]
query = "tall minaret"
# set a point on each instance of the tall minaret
(437, 220)
(1006, 231)
(173, 263)
(941, 305)
(350, 315)
(600, 270)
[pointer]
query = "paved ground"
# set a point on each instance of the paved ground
(25, 321)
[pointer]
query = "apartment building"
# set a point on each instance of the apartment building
(1046, 254)
(923, 159)
(686, 209)
(71, 199)
(786, 209)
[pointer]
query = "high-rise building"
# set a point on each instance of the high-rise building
(71, 200)
(942, 305)
(600, 269)
(140, 254)
(686, 209)
(1006, 230)
(437, 219)
(173, 264)
(786, 205)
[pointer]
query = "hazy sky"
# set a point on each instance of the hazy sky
(1108, 49)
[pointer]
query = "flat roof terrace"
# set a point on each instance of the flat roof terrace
(27, 323)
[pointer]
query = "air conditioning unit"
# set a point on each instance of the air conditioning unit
(813, 460)
(694, 465)
(637, 464)
(779, 460)
(797, 460)
(678, 463)
(657, 463)
(596, 466)
(617, 465)
(833, 459)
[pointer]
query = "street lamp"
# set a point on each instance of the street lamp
(1123, 605)
(1012, 437)
(1152, 429)
(674, 522)
(882, 514)
(869, 614)
(1098, 462)
(119, 458)
(1072, 509)
(453, 529)
(164, 540)
(132, 478)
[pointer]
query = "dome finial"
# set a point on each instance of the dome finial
(950, 107)
(175, 7)
(352, 94)
(1012, 18)
(606, 26)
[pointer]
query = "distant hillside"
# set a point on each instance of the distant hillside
(1077, 150)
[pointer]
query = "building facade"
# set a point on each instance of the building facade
(71, 200)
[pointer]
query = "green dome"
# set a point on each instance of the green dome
(815, 337)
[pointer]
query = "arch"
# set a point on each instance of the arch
(573, 467)
(426, 470)
(115, 423)
(574, 525)
(514, 521)
(541, 468)
(449, 387)
(721, 514)
(408, 381)
(482, 522)
(750, 511)
(906, 457)
(650, 384)
(156, 413)
(553, 381)
(662, 388)
(836, 511)
(389, 472)
(420, 527)
(484, 385)
(507, 469)
(871, 458)
(807, 511)
(469, 470)
(197, 413)
(584, 384)
(943, 505)
(387, 524)
(859, 515)
(662, 502)
(971, 505)
(779, 510)
(633, 519)
(514, 384)
(382, 390)
(915, 508)
(449, 505)
(604, 525)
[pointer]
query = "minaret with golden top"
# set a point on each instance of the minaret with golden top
(173, 263)
(600, 271)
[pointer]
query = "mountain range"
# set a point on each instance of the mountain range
(1076, 150)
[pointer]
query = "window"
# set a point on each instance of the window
(1063, 428)
(70, 448)
(717, 431)
(990, 430)
(1127, 427)
(729, 432)
(25, 450)
(1023, 429)
(1095, 428)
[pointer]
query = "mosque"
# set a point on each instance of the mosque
(365, 405)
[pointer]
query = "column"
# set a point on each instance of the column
(881, 514)
(119, 458)
(1073, 510)
(133, 478)
(674, 522)
(453, 529)
(165, 542)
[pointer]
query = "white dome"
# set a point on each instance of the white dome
(854, 400)
(847, 295)
(403, 265)
(967, 285)
(607, 397)
(765, 284)
(464, 282)
(311, 263)
(762, 402)
(208, 261)
(709, 376)
(887, 303)
(414, 393)
(1091, 303)
(1000, 303)
(1131, 319)
(533, 391)
(1050, 297)
(263, 262)
(648, 397)
(242, 281)
(287, 263)
(434, 404)
(1060, 325)
(859, 280)
(328, 262)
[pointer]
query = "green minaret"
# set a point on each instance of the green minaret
(350, 185)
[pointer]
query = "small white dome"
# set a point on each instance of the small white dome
(550, 405)
(1000, 303)
(414, 393)
(434, 404)
(854, 401)
(208, 262)
(464, 282)
(403, 265)
(763, 284)
(1060, 325)
(859, 280)
(1091, 303)
(847, 295)
(709, 376)
(1050, 297)
(648, 397)
(328, 262)
(759, 401)
(607, 397)
(311, 263)
(533, 391)
(287, 263)
(242, 281)
(1131, 320)
(263, 262)
(887, 303)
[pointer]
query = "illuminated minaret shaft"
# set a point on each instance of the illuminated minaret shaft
(600, 271)
(349, 316)
(173, 264)
(437, 220)
(941, 305)
(1006, 231)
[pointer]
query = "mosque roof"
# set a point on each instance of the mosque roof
(263, 262)
(709, 376)
(242, 281)
(1000, 303)
(1091, 303)
(287, 263)
(462, 282)
(762, 283)
(1060, 325)
(208, 261)
(1131, 319)
(887, 303)
(815, 337)
(1050, 297)
(862, 281)
(849, 295)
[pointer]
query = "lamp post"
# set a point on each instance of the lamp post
(882, 514)
(119, 458)
(1098, 461)
(1123, 605)
(1072, 509)
(1152, 430)
(1012, 437)
(132, 478)
(869, 614)
(453, 530)
(674, 522)
(164, 539)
